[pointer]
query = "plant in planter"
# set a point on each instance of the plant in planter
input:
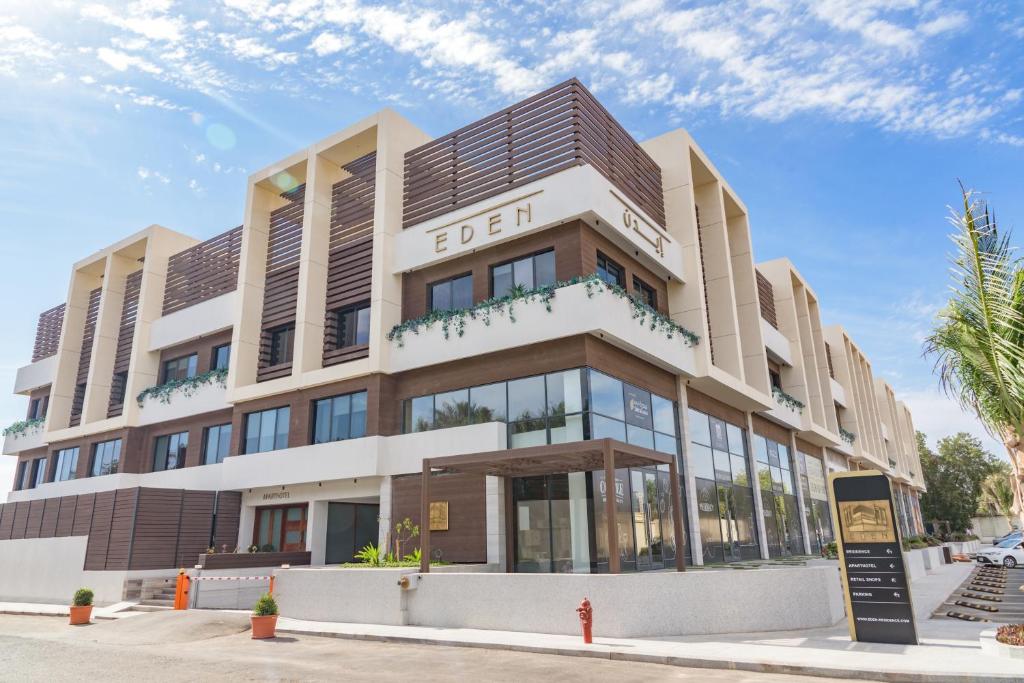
(81, 607)
(264, 617)
(1011, 634)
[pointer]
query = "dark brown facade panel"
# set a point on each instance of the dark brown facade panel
(85, 358)
(715, 408)
(809, 448)
(195, 527)
(66, 516)
(99, 531)
(155, 536)
(466, 538)
(228, 517)
(766, 297)
(6, 520)
(35, 518)
(552, 131)
(349, 274)
(828, 357)
(51, 510)
(21, 510)
(592, 242)
(352, 201)
(770, 430)
(121, 527)
(48, 333)
(85, 504)
(125, 334)
(203, 272)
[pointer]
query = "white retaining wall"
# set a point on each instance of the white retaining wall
(626, 605)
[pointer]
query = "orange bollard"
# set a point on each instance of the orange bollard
(586, 613)
(181, 591)
(270, 591)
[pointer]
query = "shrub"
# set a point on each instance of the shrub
(415, 556)
(1011, 634)
(830, 551)
(265, 606)
(83, 597)
(371, 555)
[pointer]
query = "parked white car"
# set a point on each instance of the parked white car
(1008, 553)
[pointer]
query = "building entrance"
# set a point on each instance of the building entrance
(350, 528)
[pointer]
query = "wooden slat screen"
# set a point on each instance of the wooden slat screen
(84, 360)
(48, 333)
(122, 356)
(828, 357)
(203, 272)
(766, 296)
(281, 291)
(704, 280)
(228, 516)
(557, 129)
(350, 261)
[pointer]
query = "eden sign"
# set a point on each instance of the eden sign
(484, 225)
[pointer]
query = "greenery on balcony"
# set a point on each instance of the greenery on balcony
(784, 399)
(186, 387)
(506, 305)
(23, 427)
(847, 436)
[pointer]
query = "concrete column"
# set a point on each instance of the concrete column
(69, 351)
(762, 539)
(246, 520)
(384, 513)
(494, 488)
(316, 531)
(748, 310)
(693, 538)
(800, 502)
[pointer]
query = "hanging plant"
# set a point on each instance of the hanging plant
(506, 305)
(791, 402)
(23, 427)
(187, 386)
(847, 436)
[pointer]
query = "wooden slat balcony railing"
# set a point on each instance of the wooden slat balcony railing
(766, 295)
(203, 272)
(552, 131)
(48, 333)
(828, 357)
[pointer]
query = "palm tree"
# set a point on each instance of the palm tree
(978, 340)
(997, 493)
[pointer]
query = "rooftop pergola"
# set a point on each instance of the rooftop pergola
(565, 458)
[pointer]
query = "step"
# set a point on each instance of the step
(156, 603)
(144, 607)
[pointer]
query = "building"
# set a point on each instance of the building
(522, 303)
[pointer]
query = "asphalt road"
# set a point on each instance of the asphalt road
(211, 645)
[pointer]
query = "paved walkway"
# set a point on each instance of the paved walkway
(949, 651)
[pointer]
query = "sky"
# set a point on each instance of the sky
(843, 124)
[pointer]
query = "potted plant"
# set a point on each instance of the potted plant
(81, 607)
(264, 617)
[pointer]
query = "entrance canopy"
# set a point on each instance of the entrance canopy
(564, 458)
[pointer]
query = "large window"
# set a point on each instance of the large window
(216, 444)
(38, 472)
(610, 271)
(221, 357)
(815, 490)
(553, 408)
(451, 294)
(67, 464)
(180, 368)
(169, 453)
(339, 418)
(778, 497)
(354, 326)
(525, 273)
(267, 430)
(645, 293)
(106, 456)
(282, 341)
(725, 500)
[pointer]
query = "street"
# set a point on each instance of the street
(200, 645)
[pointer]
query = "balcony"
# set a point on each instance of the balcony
(838, 393)
(788, 410)
(202, 394)
(35, 375)
(587, 307)
(24, 436)
(197, 320)
(776, 343)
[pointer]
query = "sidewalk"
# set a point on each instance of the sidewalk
(949, 651)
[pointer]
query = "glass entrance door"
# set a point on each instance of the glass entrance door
(280, 528)
(350, 528)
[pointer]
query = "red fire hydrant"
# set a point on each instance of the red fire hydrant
(586, 613)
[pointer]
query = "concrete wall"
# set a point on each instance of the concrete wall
(626, 605)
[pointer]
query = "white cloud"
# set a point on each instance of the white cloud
(21, 47)
(937, 416)
(250, 49)
(147, 19)
(147, 174)
(328, 43)
(121, 61)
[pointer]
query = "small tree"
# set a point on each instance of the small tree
(954, 477)
(405, 531)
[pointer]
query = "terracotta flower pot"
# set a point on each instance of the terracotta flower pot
(80, 615)
(263, 627)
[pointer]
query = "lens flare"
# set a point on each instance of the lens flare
(220, 136)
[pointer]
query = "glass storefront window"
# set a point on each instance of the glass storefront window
(526, 398)
(487, 403)
(451, 409)
(606, 395)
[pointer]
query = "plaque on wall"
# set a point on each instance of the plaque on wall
(875, 585)
(439, 515)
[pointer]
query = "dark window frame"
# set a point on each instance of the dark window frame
(72, 471)
(116, 462)
(165, 366)
(451, 282)
(289, 351)
(19, 475)
(645, 293)
(180, 456)
(340, 327)
(38, 472)
(620, 278)
(205, 455)
(332, 438)
(244, 438)
(215, 351)
(532, 256)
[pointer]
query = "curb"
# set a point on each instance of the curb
(685, 662)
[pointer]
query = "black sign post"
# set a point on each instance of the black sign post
(878, 604)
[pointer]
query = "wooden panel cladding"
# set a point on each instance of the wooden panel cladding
(349, 273)
(125, 333)
(552, 131)
(48, 333)
(828, 357)
(229, 560)
(281, 288)
(704, 281)
(136, 528)
(715, 408)
(352, 201)
(766, 296)
(466, 538)
(809, 448)
(203, 272)
(770, 430)
(91, 314)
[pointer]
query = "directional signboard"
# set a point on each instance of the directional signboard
(878, 605)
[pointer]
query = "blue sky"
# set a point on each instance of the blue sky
(843, 124)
